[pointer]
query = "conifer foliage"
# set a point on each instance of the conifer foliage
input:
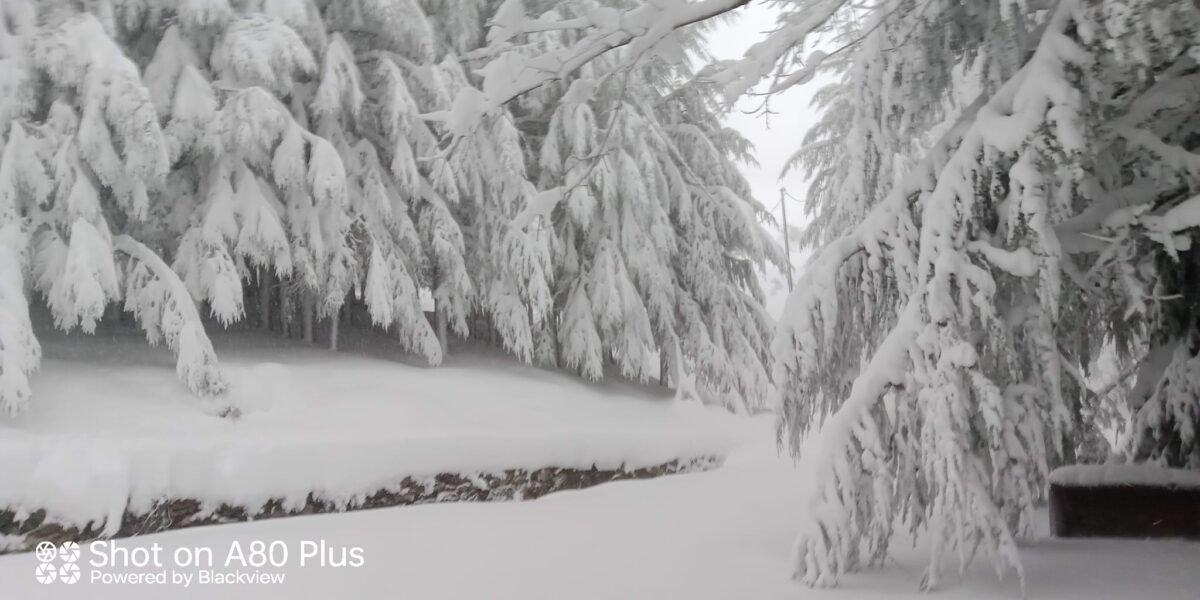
(1003, 194)
(976, 282)
(659, 236)
(1004, 203)
(288, 162)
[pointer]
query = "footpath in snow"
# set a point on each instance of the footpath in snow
(110, 429)
(721, 535)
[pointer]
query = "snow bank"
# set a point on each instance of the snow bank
(1124, 475)
(716, 535)
(111, 430)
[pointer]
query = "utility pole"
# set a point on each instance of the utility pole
(787, 247)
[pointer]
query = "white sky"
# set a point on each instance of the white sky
(775, 138)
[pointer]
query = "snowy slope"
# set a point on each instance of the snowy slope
(112, 424)
(718, 535)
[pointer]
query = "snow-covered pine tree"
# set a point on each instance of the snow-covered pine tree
(957, 279)
(355, 107)
(634, 163)
(22, 178)
(83, 151)
(1017, 193)
(232, 140)
(512, 265)
(720, 324)
(412, 241)
(615, 232)
(462, 194)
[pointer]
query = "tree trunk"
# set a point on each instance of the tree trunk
(333, 329)
(285, 310)
(306, 307)
(113, 312)
(439, 321)
(264, 298)
(558, 358)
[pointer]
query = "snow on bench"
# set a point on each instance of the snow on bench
(1124, 501)
(1124, 475)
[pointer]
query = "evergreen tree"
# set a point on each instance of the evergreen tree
(219, 159)
(232, 140)
(973, 282)
(1001, 190)
(659, 237)
(83, 150)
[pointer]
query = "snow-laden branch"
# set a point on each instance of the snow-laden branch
(928, 360)
(763, 57)
(160, 301)
(512, 74)
(816, 289)
(1020, 262)
(20, 353)
(820, 563)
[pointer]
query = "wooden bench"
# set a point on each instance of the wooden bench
(1137, 501)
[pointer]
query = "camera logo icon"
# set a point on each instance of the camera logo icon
(56, 563)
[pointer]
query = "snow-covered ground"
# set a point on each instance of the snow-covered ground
(721, 534)
(110, 424)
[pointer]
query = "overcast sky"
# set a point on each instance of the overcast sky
(775, 138)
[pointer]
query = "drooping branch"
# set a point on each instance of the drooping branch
(160, 300)
(928, 368)
(20, 353)
(764, 57)
(511, 74)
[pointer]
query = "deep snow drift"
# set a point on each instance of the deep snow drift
(716, 535)
(110, 424)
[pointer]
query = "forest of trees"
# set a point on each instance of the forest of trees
(1004, 202)
(283, 162)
